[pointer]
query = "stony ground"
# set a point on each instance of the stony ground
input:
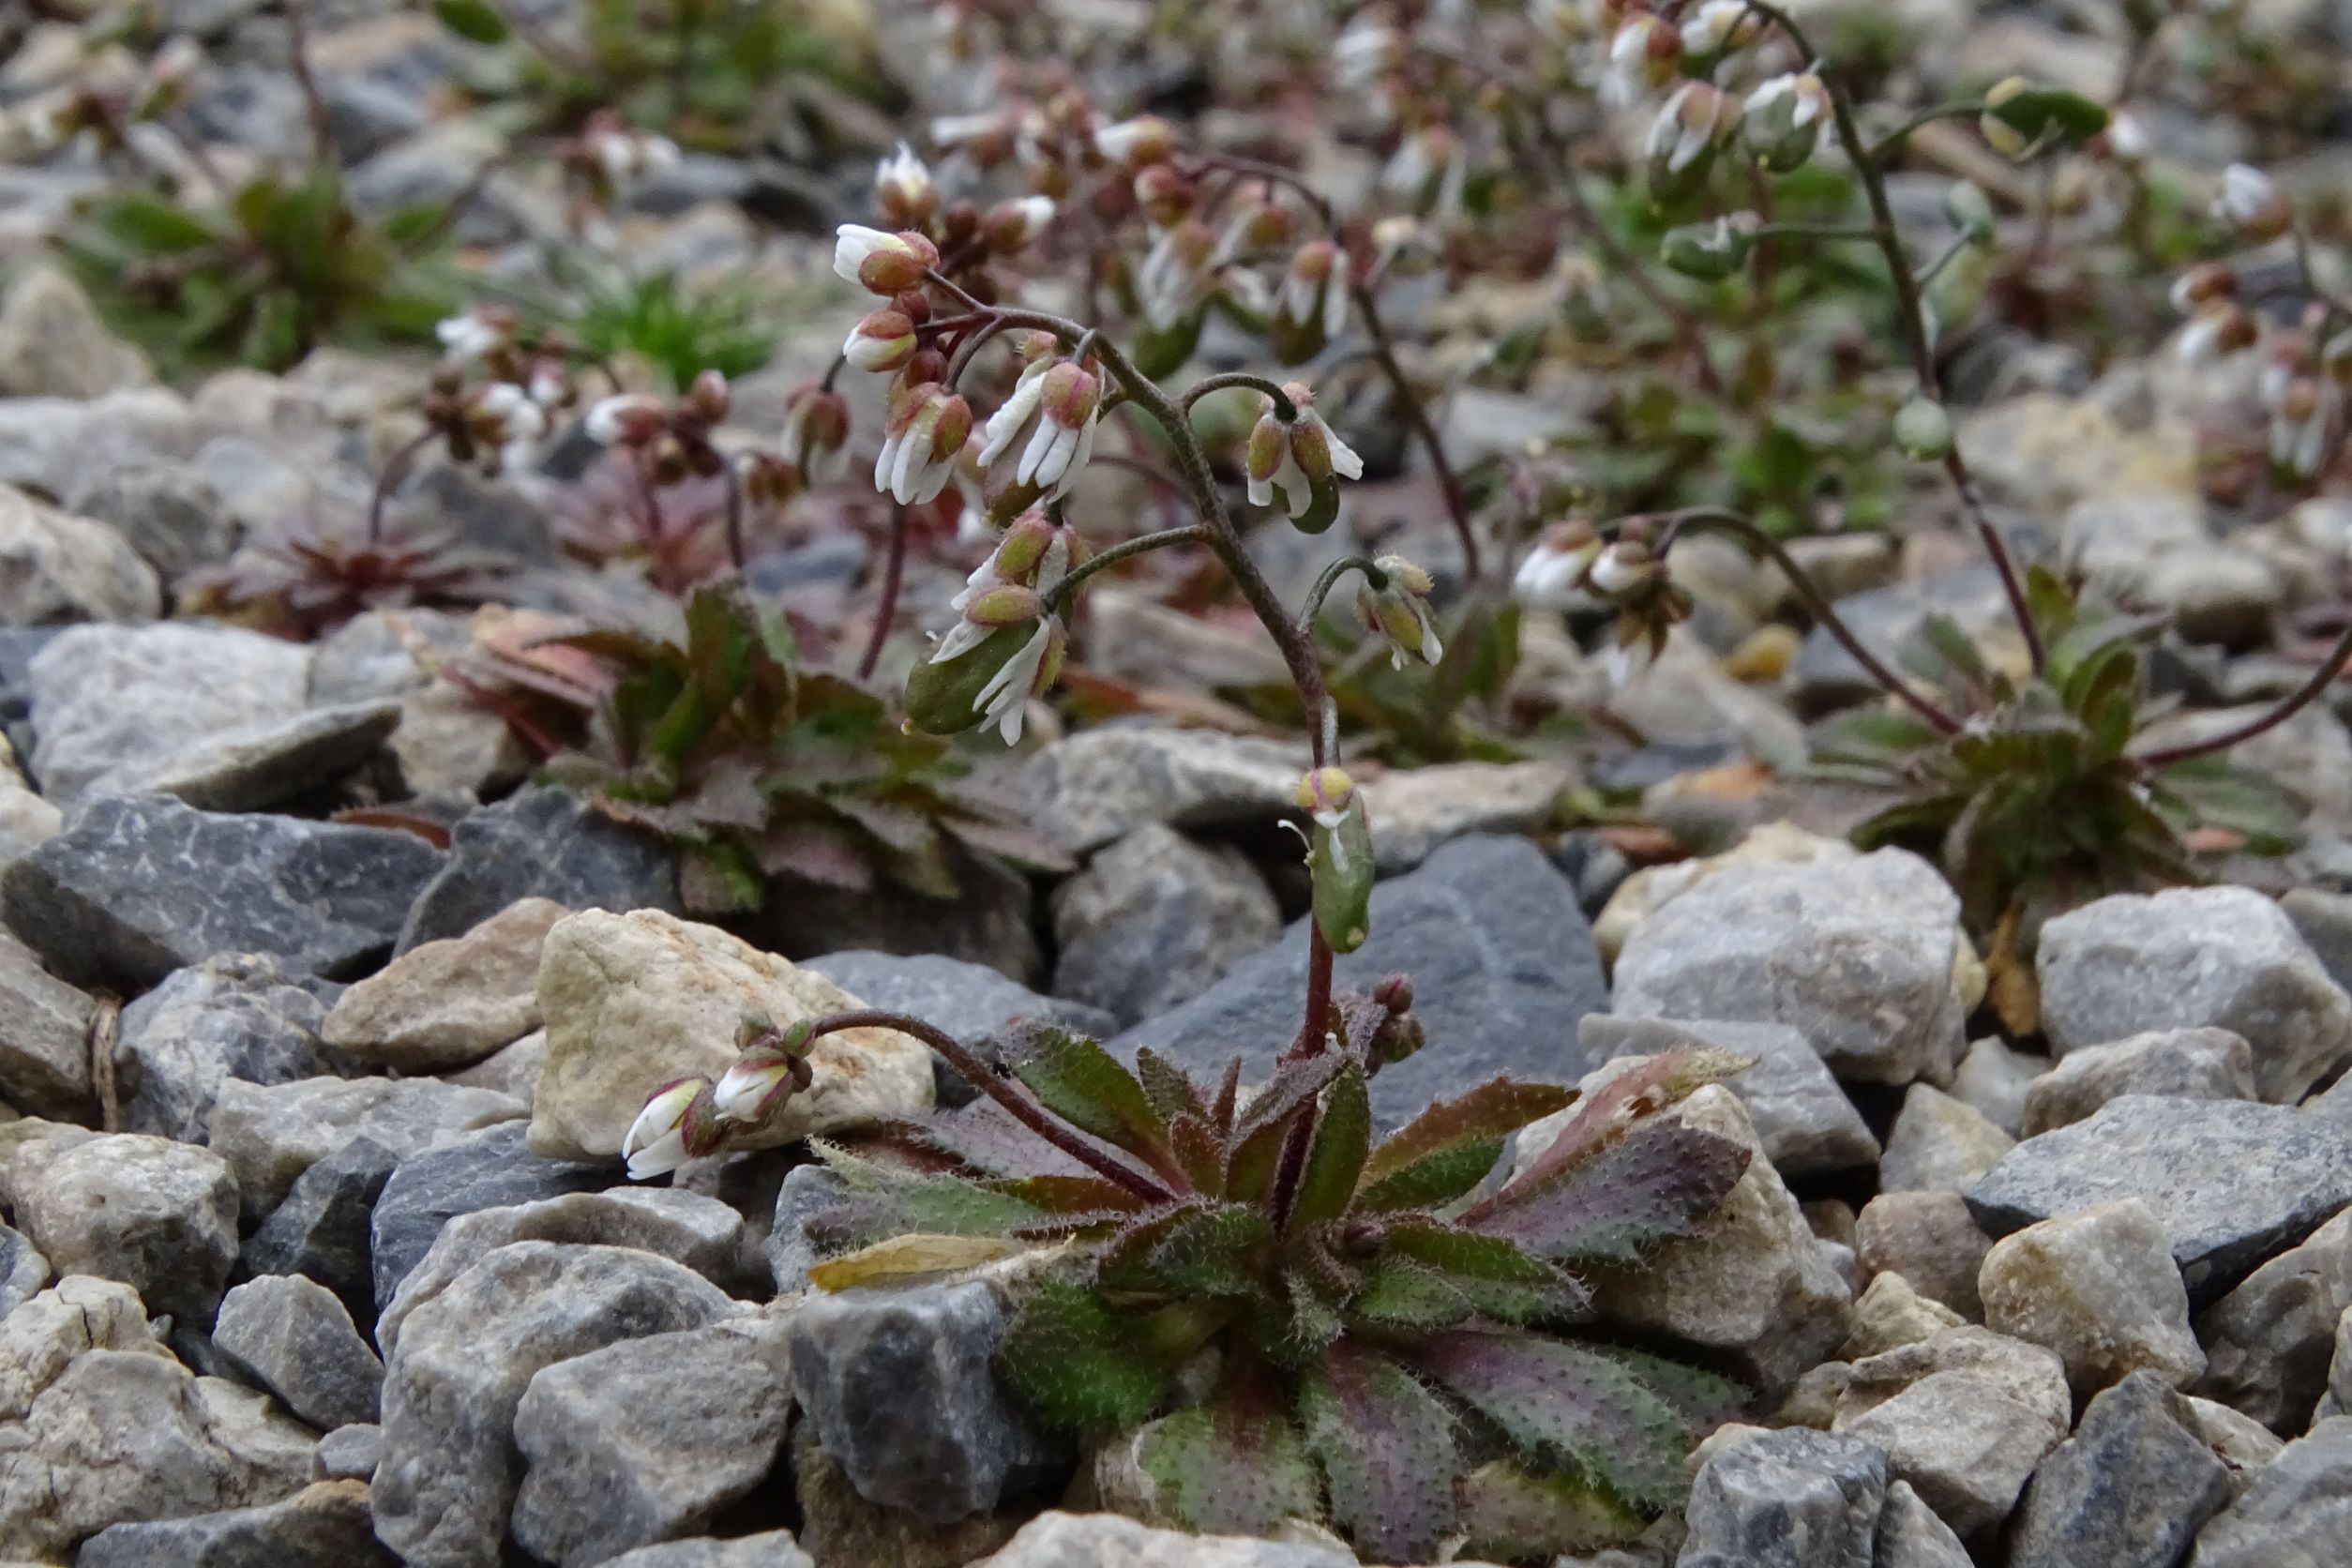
(319, 1251)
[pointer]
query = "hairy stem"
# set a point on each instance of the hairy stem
(1191, 534)
(886, 609)
(1313, 607)
(1024, 1110)
(2287, 708)
(1715, 520)
(1284, 410)
(1424, 429)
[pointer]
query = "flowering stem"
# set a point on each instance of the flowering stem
(1191, 534)
(1818, 231)
(1313, 609)
(734, 511)
(395, 468)
(1895, 138)
(886, 610)
(314, 101)
(1284, 409)
(2287, 707)
(1911, 311)
(1711, 519)
(1943, 259)
(1024, 1110)
(1417, 414)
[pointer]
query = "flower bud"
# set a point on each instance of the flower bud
(628, 419)
(1010, 226)
(680, 1122)
(879, 262)
(1147, 139)
(2252, 203)
(816, 425)
(772, 1066)
(1325, 794)
(1301, 459)
(2220, 327)
(1400, 612)
(1623, 566)
(1682, 140)
(1712, 251)
(1553, 575)
(1645, 53)
(1717, 28)
(1923, 431)
(1164, 195)
(2021, 118)
(1971, 211)
(883, 341)
(707, 398)
(903, 191)
(1781, 120)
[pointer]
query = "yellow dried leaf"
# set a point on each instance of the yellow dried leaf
(903, 1255)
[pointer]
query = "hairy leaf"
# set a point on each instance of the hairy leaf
(1565, 1403)
(1659, 1180)
(1405, 1294)
(1665, 1079)
(1213, 1252)
(945, 1205)
(1169, 1087)
(1235, 1466)
(902, 1257)
(1493, 1274)
(1261, 1130)
(1446, 1149)
(1334, 1158)
(1199, 1154)
(1511, 1513)
(1703, 1399)
(1086, 1086)
(1068, 1196)
(1077, 1360)
(1386, 1446)
(984, 1135)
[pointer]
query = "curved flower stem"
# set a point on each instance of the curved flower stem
(1284, 410)
(2287, 708)
(1313, 607)
(395, 468)
(735, 554)
(1191, 534)
(894, 572)
(314, 101)
(1024, 1110)
(1417, 414)
(1895, 138)
(1911, 311)
(1715, 520)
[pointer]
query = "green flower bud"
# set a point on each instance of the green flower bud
(1923, 431)
(1710, 251)
(942, 697)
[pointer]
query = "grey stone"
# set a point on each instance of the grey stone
(1964, 1417)
(2179, 1063)
(298, 1342)
(2131, 1486)
(325, 1525)
(44, 1036)
(447, 1481)
(1791, 1499)
(1826, 676)
(807, 1191)
(973, 1002)
(1939, 1144)
(1155, 920)
(158, 1215)
(270, 1133)
(2098, 1287)
(1890, 1314)
(449, 1003)
(2323, 918)
(897, 1385)
(1092, 789)
(111, 704)
(836, 1524)
(775, 1549)
(137, 887)
(546, 843)
(2297, 1513)
(47, 442)
(1996, 1080)
(321, 1229)
(170, 515)
(1058, 1540)
(649, 1439)
(53, 345)
(2158, 550)
(1911, 1536)
(254, 766)
(2224, 957)
(699, 1232)
(350, 1453)
(1805, 1121)
(235, 1017)
(489, 1170)
(1857, 956)
(991, 920)
(2267, 1342)
(56, 567)
(23, 1270)
(1931, 1240)
(1503, 967)
(2233, 1183)
(512, 1070)
(124, 1435)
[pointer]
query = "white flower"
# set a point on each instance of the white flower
(1432, 156)
(624, 155)
(953, 131)
(1709, 28)
(2252, 203)
(1004, 701)
(1550, 577)
(1365, 52)
(748, 1088)
(1622, 567)
(1055, 405)
(1689, 124)
(2127, 137)
(1276, 454)
(1632, 72)
(903, 187)
(1316, 283)
(1145, 139)
(880, 263)
(626, 417)
(471, 334)
(657, 1140)
(920, 446)
(1174, 278)
(1012, 224)
(509, 418)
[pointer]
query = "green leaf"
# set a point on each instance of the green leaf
(1510, 1512)
(1450, 1147)
(1335, 1156)
(1493, 1274)
(151, 225)
(476, 20)
(1663, 1080)
(1405, 1294)
(721, 633)
(1386, 1446)
(1087, 1087)
(1169, 1087)
(1077, 1360)
(1560, 1404)
(1235, 1466)
(1258, 1135)
(1215, 1251)
(1704, 1400)
(2039, 112)
(1657, 1182)
(923, 1201)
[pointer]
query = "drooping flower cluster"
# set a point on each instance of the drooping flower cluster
(1299, 459)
